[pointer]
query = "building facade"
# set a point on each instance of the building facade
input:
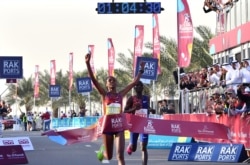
(232, 40)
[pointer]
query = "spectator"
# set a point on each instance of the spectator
(214, 79)
(243, 93)
(96, 113)
(209, 106)
(29, 121)
(73, 114)
(244, 72)
(163, 107)
(46, 120)
(63, 116)
(212, 5)
(171, 108)
(24, 120)
(82, 112)
(233, 77)
(3, 110)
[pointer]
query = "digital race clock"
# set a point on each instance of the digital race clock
(129, 8)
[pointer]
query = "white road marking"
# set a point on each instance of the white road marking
(87, 145)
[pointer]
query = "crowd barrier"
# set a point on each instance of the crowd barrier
(78, 122)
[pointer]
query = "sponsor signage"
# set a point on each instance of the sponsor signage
(11, 67)
(25, 142)
(54, 91)
(150, 69)
(207, 152)
(166, 142)
(12, 155)
(83, 85)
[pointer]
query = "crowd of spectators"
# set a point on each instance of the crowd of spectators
(229, 84)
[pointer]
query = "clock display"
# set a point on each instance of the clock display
(129, 8)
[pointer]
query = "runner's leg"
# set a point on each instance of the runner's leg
(108, 142)
(144, 144)
(120, 146)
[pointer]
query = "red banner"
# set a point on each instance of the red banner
(239, 128)
(138, 44)
(12, 154)
(70, 71)
(156, 41)
(91, 49)
(185, 34)
(36, 84)
(53, 72)
(111, 57)
(120, 122)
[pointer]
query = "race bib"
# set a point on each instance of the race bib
(113, 108)
(141, 112)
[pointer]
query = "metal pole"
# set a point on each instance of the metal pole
(90, 111)
(69, 100)
(154, 96)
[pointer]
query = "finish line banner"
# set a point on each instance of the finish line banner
(207, 152)
(121, 122)
(177, 128)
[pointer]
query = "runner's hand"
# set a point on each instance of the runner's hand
(87, 58)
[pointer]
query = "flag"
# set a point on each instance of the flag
(111, 57)
(91, 49)
(185, 33)
(70, 71)
(156, 41)
(53, 72)
(36, 84)
(138, 44)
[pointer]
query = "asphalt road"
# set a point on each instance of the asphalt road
(47, 152)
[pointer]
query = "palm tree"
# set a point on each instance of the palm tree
(23, 92)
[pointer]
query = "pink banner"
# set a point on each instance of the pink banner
(70, 70)
(73, 136)
(53, 72)
(156, 41)
(178, 128)
(138, 44)
(91, 49)
(185, 33)
(111, 57)
(36, 84)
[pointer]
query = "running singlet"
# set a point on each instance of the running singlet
(143, 111)
(113, 104)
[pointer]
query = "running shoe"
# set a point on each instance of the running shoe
(129, 150)
(99, 154)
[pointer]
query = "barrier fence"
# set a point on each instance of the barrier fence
(79, 122)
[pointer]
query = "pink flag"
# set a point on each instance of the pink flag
(70, 71)
(111, 57)
(185, 33)
(138, 44)
(36, 87)
(156, 41)
(53, 72)
(91, 49)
